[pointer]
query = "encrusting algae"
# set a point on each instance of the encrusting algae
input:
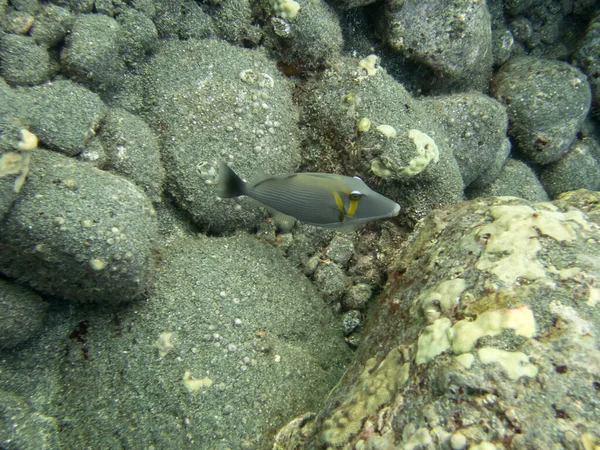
(17, 163)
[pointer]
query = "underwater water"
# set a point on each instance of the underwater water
(446, 300)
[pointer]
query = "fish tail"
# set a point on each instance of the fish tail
(230, 184)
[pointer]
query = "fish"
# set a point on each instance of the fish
(320, 199)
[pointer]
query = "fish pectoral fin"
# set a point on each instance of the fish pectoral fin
(283, 222)
(347, 228)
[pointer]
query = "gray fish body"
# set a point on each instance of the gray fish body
(320, 199)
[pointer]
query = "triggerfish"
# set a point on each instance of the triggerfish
(319, 199)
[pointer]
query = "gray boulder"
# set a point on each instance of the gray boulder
(485, 330)
(21, 426)
(183, 19)
(23, 313)
(306, 39)
(63, 115)
(51, 25)
(516, 179)
(475, 125)
(234, 21)
(454, 39)
(578, 169)
(587, 57)
(131, 149)
(546, 101)
(223, 103)
(138, 36)
(233, 342)
(91, 52)
(23, 62)
(78, 232)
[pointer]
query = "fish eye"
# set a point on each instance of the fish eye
(355, 195)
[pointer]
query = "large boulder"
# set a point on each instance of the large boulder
(485, 334)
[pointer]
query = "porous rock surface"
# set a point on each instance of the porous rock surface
(485, 335)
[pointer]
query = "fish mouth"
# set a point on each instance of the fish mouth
(396, 210)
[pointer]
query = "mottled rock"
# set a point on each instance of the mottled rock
(357, 296)
(489, 175)
(331, 281)
(182, 19)
(233, 21)
(217, 337)
(578, 169)
(23, 313)
(91, 52)
(63, 115)
(224, 103)
(492, 301)
(77, 6)
(351, 320)
(137, 38)
(22, 61)
(587, 57)
(475, 126)
(340, 250)
(516, 180)
(22, 426)
(546, 101)
(310, 39)
(131, 149)
(452, 38)
(51, 25)
(79, 233)
(545, 30)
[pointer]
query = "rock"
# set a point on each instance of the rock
(454, 39)
(407, 151)
(331, 281)
(91, 52)
(310, 39)
(516, 180)
(489, 175)
(77, 6)
(552, 33)
(340, 250)
(503, 44)
(587, 57)
(546, 102)
(132, 150)
(234, 21)
(232, 341)
(475, 126)
(51, 25)
(138, 37)
(223, 103)
(23, 62)
(183, 19)
(351, 320)
(576, 170)
(22, 426)
(23, 313)
(63, 115)
(494, 298)
(357, 296)
(78, 233)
